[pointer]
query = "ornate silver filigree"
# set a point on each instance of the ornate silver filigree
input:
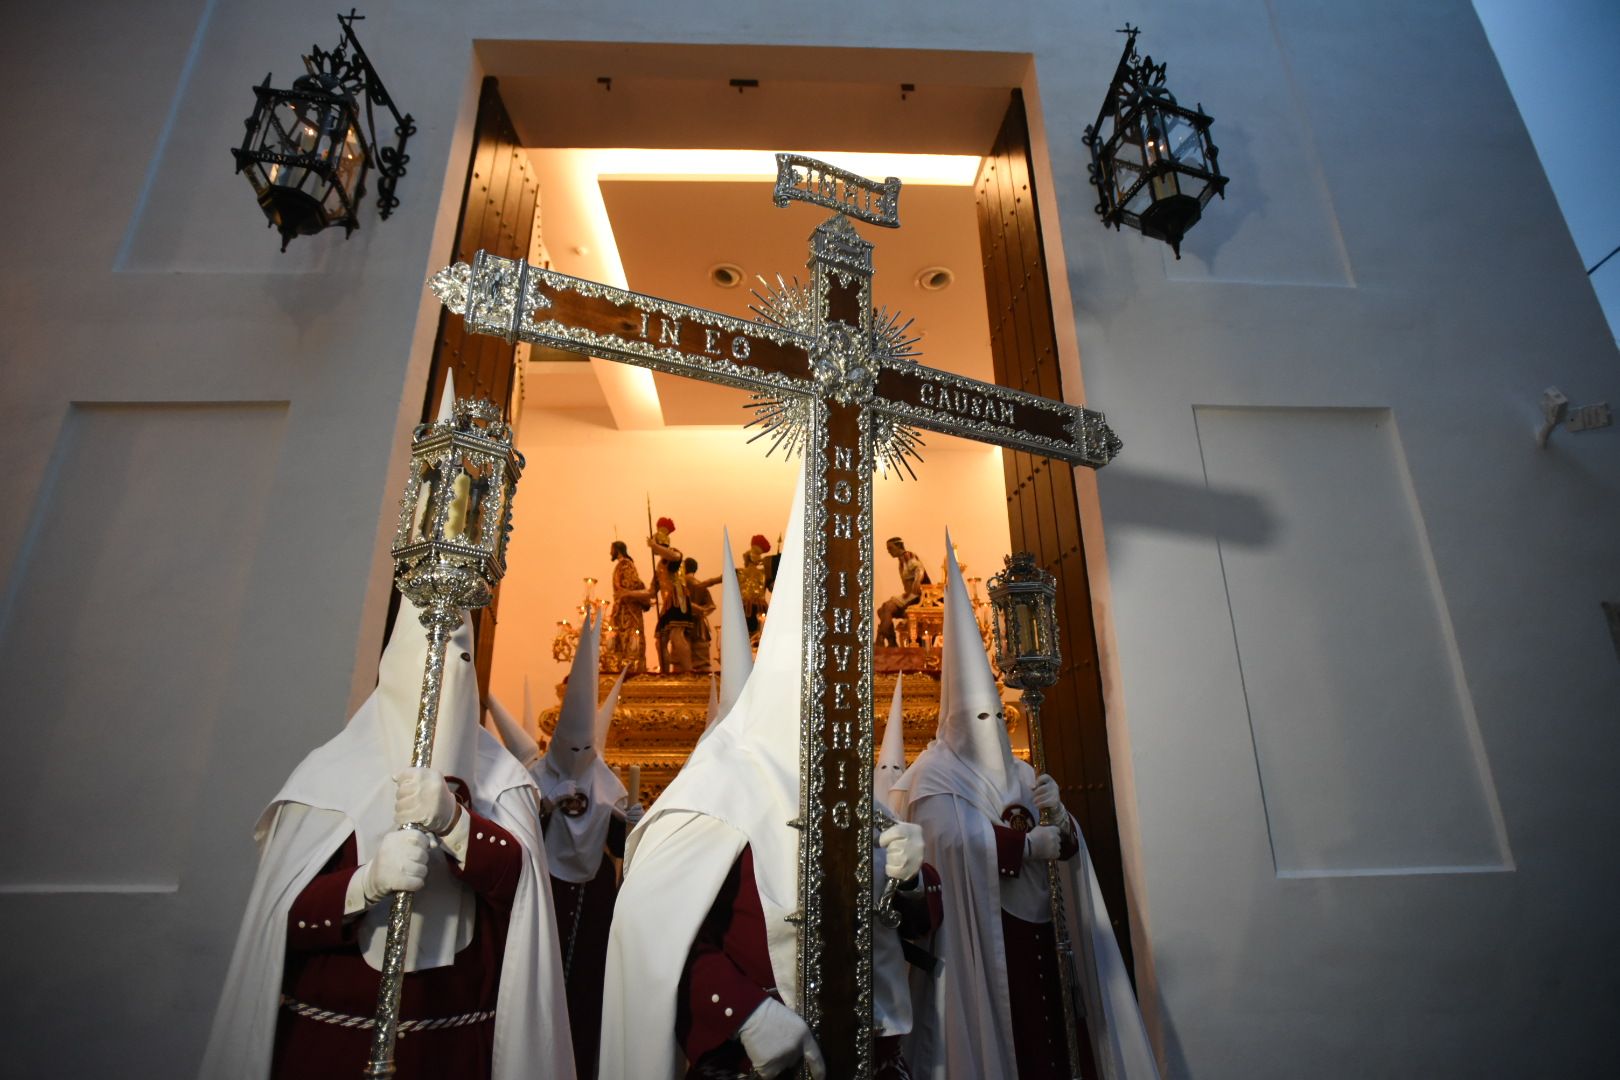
(794, 307)
(836, 245)
(842, 364)
(450, 286)
(805, 179)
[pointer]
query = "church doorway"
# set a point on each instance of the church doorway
(641, 166)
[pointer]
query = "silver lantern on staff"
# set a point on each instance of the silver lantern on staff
(1025, 626)
(449, 552)
(1025, 632)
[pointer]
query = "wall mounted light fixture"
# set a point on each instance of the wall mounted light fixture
(1152, 160)
(305, 150)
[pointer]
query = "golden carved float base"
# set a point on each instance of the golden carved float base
(659, 719)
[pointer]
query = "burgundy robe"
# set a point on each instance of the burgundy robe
(728, 973)
(584, 917)
(1036, 995)
(325, 970)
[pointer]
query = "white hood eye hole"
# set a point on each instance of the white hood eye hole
(467, 657)
(984, 716)
(1000, 715)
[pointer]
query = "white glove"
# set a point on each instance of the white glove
(401, 865)
(903, 842)
(776, 1038)
(1047, 796)
(423, 798)
(633, 814)
(1042, 843)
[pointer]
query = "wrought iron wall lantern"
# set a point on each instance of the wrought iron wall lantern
(1152, 160)
(305, 151)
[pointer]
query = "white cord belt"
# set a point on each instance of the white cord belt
(366, 1023)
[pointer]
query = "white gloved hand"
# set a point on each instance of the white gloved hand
(1048, 797)
(903, 843)
(423, 798)
(401, 865)
(1042, 843)
(776, 1038)
(633, 814)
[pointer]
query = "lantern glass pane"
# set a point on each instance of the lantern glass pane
(479, 507)
(351, 159)
(422, 515)
(1150, 132)
(1185, 142)
(458, 498)
(1029, 636)
(497, 520)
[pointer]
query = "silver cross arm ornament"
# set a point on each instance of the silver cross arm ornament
(514, 300)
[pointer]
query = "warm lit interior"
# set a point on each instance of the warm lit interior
(607, 437)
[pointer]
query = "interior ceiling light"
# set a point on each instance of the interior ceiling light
(726, 275)
(955, 170)
(935, 278)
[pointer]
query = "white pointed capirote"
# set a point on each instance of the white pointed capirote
(972, 719)
(711, 716)
(518, 742)
(604, 712)
(736, 654)
(892, 757)
(399, 696)
(572, 775)
(447, 400)
(573, 743)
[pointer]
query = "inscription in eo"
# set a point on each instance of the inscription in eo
(667, 332)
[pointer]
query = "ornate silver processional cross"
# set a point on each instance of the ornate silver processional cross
(840, 383)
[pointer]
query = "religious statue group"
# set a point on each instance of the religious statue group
(681, 602)
(531, 955)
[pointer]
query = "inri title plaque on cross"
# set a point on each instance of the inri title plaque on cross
(839, 382)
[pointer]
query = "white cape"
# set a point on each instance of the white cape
(296, 837)
(963, 1016)
(686, 857)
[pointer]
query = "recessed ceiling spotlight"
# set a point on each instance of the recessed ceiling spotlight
(935, 278)
(726, 275)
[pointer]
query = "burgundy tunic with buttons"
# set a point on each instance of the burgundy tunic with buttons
(1036, 996)
(728, 973)
(325, 969)
(584, 917)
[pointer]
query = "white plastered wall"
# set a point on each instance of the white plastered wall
(1390, 247)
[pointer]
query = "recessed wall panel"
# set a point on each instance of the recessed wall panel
(1364, 733)
(117, 636)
